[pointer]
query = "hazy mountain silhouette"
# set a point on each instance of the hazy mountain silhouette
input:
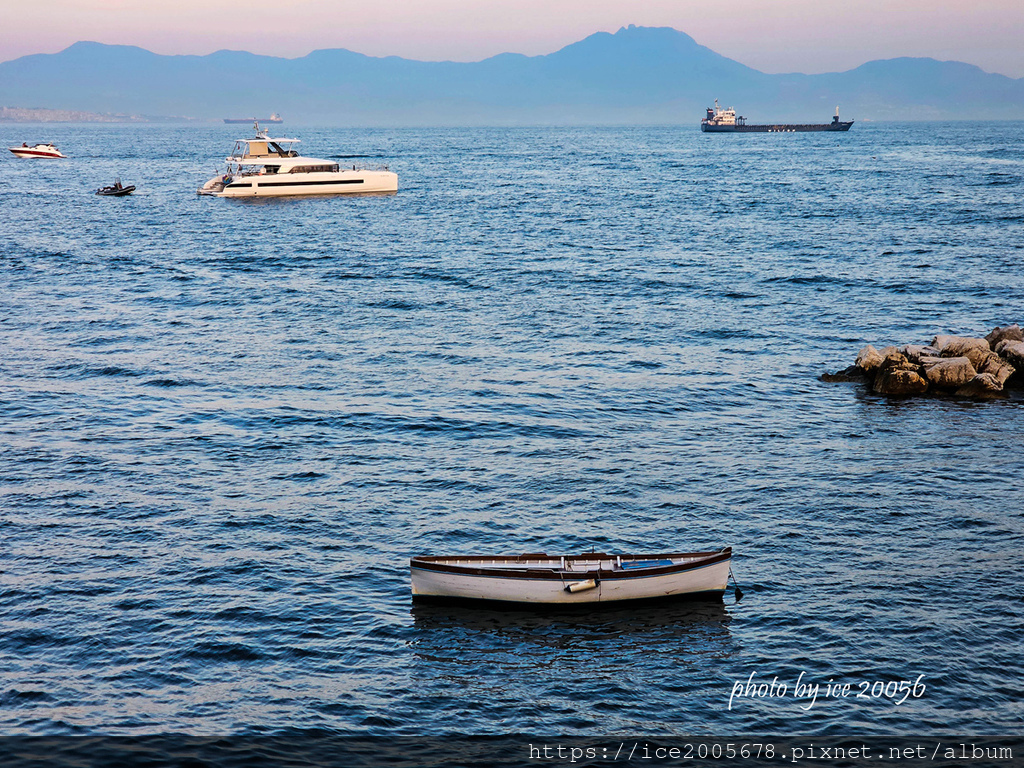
(637, 75)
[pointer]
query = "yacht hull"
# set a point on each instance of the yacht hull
(287, 185)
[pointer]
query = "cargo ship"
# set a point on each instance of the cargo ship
(725, 121)
(274, 118)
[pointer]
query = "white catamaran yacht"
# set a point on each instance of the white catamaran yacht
(267, 167)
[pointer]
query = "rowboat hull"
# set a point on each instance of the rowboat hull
(571, 580)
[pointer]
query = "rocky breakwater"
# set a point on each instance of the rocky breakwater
(951, 365)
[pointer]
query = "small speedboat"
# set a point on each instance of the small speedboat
(540, 579)
(38, 150)
(116, 189)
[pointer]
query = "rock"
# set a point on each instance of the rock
(959, 346)
(1012, 351)
(868, 359)
(853, 373)
(983, 385)
(898, 376)
(976, 353)
(966, 365)
(978, 357)
(948, 372)
(999, 369)
(915, 352)
(1002, 333)
(900, 382)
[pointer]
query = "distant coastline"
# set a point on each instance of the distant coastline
(636, 76)
(44, 115)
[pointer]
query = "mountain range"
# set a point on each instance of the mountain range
(639, 75)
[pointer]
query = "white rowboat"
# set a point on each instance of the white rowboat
(540, 579)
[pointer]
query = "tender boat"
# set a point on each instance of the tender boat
(116, 189)
(45, 149)
(540, 579)
(268, 167)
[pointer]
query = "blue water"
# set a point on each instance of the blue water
(226, 426)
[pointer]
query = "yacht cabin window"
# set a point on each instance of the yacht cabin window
(326, 167)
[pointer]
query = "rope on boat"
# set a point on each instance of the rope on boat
(739, 592)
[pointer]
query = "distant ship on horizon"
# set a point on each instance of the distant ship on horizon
(725, 121)
(274, 118)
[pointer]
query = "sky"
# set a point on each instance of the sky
(810, 36)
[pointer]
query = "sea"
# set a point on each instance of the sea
(228, 424)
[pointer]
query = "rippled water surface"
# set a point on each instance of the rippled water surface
(226, 426)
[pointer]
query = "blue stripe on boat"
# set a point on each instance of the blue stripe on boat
(646, 564)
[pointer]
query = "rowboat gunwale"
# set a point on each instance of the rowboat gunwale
(442, 564)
